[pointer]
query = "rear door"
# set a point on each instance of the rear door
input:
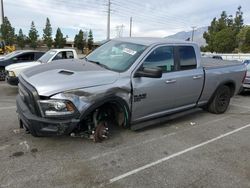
(189, 78)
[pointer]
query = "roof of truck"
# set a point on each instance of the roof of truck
(148, 41)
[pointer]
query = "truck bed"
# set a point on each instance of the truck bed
(208, 63)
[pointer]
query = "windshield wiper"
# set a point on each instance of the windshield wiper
(97, 63)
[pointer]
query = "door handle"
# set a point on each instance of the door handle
(197, 77)
(170, 81)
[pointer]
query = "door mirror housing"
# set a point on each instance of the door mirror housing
(149, 72)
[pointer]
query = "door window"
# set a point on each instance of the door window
(64, 55)
(161, 57)
(69, 55)
(187, 57)
(25, 57)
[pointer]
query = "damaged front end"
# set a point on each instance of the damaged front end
(88, 113)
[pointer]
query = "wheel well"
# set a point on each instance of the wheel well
(112, 109)
(119, 112)
(231, 86)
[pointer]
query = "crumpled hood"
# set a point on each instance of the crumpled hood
(21, 65)
(65, 75)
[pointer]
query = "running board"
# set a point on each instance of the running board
(140, 125)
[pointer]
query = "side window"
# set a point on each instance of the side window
(69, 55)
(187, 57)
(25, 57)
(59, 56)
(162, 57)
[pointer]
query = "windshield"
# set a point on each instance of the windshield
(46, 57)
(116, 55)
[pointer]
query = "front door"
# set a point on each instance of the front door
(154, 96)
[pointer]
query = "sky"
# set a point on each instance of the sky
(151, 18)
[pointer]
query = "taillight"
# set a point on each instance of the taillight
(244, 77)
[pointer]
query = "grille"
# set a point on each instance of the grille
(28, 95)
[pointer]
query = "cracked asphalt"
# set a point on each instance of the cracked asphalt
(197, 150)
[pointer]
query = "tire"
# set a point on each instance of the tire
(220, 101)
(2, 74)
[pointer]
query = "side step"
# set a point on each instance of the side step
(160, 120)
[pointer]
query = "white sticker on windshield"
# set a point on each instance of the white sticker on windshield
(129, 51)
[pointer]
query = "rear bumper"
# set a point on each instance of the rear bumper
(246, 83)
(12, 80)
(40, 126)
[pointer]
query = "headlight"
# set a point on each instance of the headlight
(11, 74)
(56, 107)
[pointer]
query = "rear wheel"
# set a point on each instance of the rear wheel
(220, 101)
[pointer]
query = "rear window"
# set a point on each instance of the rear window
(187, 57)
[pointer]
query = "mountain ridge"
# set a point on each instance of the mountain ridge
(184, 35)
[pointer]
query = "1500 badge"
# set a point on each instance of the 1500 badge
(138, 98)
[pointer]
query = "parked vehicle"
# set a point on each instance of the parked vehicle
(17, 57)
(246, 84)
(12, 71)
(127, 82)
(217, 57)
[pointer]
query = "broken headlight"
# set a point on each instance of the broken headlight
(56, 107)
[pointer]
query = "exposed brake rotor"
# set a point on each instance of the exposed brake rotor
(101, 132)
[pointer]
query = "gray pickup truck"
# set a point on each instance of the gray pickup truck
(127, 82)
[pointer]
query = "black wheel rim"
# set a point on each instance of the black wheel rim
(223, 101)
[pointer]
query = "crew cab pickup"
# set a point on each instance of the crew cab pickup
(127, 82)
(13, 71)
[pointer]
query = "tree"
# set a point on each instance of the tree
(7, 32)
(60, 41)
(238, 20)
(221, 35)
(21, 39)
(244, 38)
(90, 40)
(80, 41)
(224, 41)
(33, 36)
(47, 34)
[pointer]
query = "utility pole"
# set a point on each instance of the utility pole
(130, 28)
(108, 20)
(193, 27)
(119, 30)
(2, 13)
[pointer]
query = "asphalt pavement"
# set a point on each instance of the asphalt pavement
(197, 150)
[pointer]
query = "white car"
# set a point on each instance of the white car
(12, 71)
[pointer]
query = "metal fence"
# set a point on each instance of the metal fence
(239, 57)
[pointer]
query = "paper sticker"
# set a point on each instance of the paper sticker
(129, 51)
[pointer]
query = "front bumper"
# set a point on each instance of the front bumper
(12, 80)
(40, 126)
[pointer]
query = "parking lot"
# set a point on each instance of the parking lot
(198, 150)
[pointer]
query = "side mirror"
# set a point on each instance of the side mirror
(149, 72)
